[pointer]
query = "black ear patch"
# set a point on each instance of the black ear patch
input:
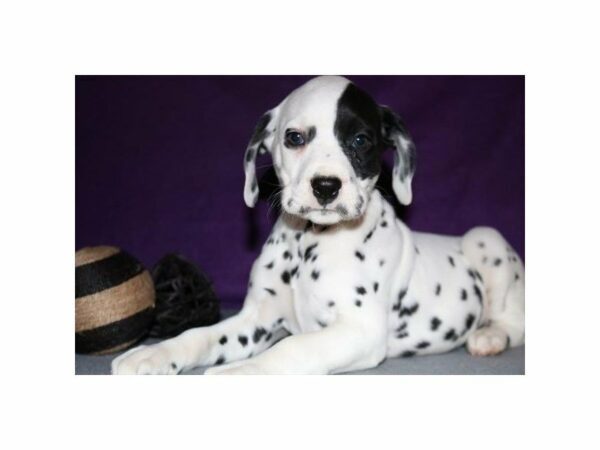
(393, 127)
(260, 133)
(256, 146)
(357, 113)
(394, 133)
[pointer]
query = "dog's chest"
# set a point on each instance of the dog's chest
(347, 270)
(315, 282)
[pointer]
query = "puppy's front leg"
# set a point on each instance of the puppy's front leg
(240, 336)
(343, 346)
(267, 310)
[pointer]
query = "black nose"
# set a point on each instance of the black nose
(325, 188)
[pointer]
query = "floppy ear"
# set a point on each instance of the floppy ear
(261, 142)
(395, 134)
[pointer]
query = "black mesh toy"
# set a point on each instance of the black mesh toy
(184, 297)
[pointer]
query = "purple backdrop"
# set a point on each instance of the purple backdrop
(159, 162)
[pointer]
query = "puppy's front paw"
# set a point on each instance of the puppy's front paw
(146, 360)
(487, 341)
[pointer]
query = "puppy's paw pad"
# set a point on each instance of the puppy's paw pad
(487, 341)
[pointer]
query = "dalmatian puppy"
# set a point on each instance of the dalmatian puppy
(341, 283)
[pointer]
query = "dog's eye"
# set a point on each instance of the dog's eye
(294, 139)
(360, 142)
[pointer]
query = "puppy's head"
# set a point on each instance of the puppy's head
(326, 139)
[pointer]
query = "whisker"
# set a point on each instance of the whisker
(264, 167)
(274, 201)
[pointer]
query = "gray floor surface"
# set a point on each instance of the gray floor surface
(457, 362)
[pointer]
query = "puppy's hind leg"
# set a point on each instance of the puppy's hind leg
(503, 274)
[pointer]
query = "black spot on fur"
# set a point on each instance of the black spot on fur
(481, 244)
(497, 262)
(342, 210)
(314, 275)
(478, 293)
(417, 250)
(360, 203)
(285, 277)
(249, 154)
(407, 354)
(469, 321)
(368, 236)
(451, 335)
(220, 360)
(308, 251)
(243, 340)
(402, 327)
(298, 236)
(361, 290)
(409, 311)
(463, 294)
(223, 340)
(287, 255)
(423, 344)
(398, 304)
(259, 332)
(358, 303)
(293, 271)
(359, 255)
(321, 324)
(270, 291)
(516, 276)
(401, 335)
(312, 132)
(384, 224)
(438, 289)
(375, 286)
(435, 323)
(269, 336)
(173, 366)
(451, 260)
(381, 262)
(331, 303)
(270, 265)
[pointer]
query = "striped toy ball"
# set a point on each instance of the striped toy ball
(114, 300)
